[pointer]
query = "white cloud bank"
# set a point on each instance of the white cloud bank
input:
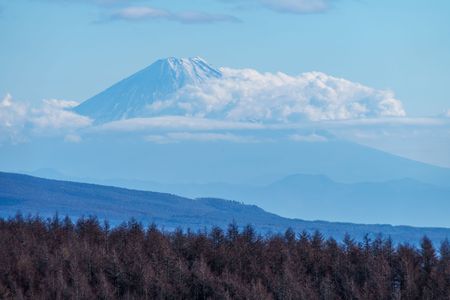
(54, 115)
(241, 100)
(18, 120)
(12, 119)
(247, 95)
(244, 105)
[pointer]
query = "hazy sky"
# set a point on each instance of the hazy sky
(72, 49)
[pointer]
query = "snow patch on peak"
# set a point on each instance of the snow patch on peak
(190, 70)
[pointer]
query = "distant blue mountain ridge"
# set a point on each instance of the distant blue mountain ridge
(33, 195)
(311, 197)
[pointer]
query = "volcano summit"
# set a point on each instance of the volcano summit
(130, 97)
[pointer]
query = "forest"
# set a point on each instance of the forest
(58, 258)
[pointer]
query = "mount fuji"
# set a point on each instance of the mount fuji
(190, 87)
(130, 97)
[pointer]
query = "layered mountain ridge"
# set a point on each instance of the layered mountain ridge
(43, 197)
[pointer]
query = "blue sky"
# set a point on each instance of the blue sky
(74, 49)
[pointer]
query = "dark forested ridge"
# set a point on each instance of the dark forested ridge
(56, 259)
(32, 195)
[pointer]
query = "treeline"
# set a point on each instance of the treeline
(58, 259)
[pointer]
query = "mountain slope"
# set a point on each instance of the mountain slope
(401, 201)
(32, 195)
(130, 97)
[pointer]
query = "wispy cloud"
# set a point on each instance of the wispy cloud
(72, 138)
(145, 13)
(447, 114)
(175, 137)
(131, 10)
(393, 122)
(176, 123)
(285, 6)
(136, 10)
(95, 2)
(297, 6)
(311, 138)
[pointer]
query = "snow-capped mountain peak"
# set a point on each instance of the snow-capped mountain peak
(186, 70)
(189, 87)
(130, 97)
